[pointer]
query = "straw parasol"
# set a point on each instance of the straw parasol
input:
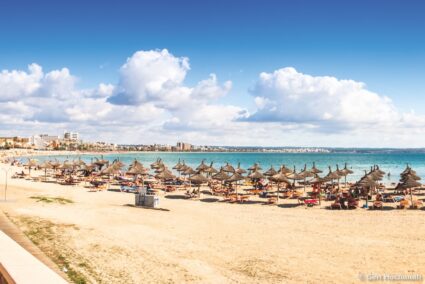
(254, 167)
(306, 174)
(270, 172)
(202, 167)
(256, 175)
(285, 170)
(409, 180)
(221, 175)
(165, 175)
(31, 163)
(235, 178)
(239, 170)
(229, 168)
(346, 171)
(368, 183)
(177, 166)
(211, 170)
(315, 170)
(294, 176)
(46, 165)
(278, 178)
(157, 164)
(198, 179)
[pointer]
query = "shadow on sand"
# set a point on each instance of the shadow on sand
(145, 207)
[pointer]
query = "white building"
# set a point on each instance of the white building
(42, 141)
(73, 136)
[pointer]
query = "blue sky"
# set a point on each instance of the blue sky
(380, 43)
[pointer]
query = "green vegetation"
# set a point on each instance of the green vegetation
(47, 199)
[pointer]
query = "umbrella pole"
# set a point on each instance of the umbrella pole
(411, 197)
(277, 200)
(304, 184)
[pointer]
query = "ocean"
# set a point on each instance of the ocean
(390, 162)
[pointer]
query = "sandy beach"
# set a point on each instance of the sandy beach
(102, 237)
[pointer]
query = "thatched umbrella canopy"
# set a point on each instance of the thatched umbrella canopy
(211, 170)
(67, 166)
(285, 170)
(183, 167)
(189, 171)
(270, 172)
(198, 179)
(135, 163)
(409, 182)
(375, 175)
(306, 174)
(279, 178)
(368, 184)
(256, 175)
(346, 171)
(55, 164)
(331, 175)
(100, 163)
(378, 170)
(294, 176)
(177, 166)
(221, 175)
(239, 170)
(202, 167)
(235, 178)
(315, 170)
(160, 169)
(138, 170)
(254, 167)
(110, 170)
(31, 163)
(157, 164)
(46, 165)
(165, 175)
(408, 170)
(229, 168)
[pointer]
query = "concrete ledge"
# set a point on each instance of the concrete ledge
(21, 266)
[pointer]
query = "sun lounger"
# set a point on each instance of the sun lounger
(336, 205)
(271, 200)
(311, 202)
(403, 204)
(377, 204)
(417, 204)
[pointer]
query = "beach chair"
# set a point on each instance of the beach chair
(403, 204)
(417, 204)
(311, 202)
(336, 205)
(272, 200)
(352, 204)
(377, 204)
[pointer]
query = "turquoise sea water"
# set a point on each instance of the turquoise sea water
(394, 163)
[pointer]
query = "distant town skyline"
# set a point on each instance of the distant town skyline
(236, 73)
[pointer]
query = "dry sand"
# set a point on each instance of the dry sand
(102, 238)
